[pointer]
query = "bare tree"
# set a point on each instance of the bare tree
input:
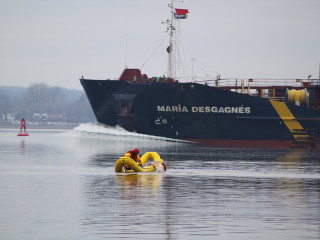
(4, 100)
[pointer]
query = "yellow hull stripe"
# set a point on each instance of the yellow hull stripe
(289, 120)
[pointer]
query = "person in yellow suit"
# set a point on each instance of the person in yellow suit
(134, 155)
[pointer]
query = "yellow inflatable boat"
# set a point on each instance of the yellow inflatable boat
(125, 163)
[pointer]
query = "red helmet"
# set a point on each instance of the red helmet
(136, 151)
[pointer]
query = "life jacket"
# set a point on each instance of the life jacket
(134, 157)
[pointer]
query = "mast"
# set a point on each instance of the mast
(171, 47)
(171, 28)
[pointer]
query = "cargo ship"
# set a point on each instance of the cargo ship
(266, 113)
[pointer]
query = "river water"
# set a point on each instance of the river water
(61, 184)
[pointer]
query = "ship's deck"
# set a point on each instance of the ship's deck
(270, 88)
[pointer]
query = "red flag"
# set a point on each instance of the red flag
(181, 11)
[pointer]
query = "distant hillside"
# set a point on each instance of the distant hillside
(18, 102)
(13, 91)
(71, 94)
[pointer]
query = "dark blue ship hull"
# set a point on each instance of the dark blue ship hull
(202, 114)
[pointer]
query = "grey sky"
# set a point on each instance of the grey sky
(57, 41)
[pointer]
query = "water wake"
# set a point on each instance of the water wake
(119, 131)
(221, 173)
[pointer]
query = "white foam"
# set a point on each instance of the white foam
(242, 174)
(118, 131)
(103, 129)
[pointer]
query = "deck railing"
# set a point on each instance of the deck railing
(231, 83)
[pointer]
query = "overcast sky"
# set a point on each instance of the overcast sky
(58, 41)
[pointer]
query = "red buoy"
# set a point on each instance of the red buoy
(23, 128)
